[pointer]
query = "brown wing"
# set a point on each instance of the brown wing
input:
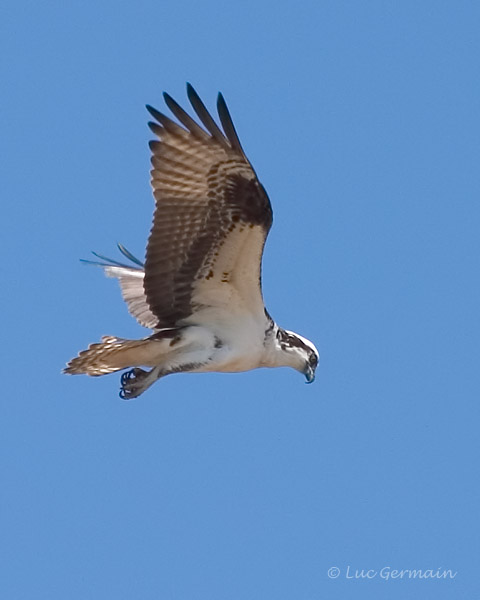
(211, 220)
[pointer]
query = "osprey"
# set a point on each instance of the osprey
(200, 287)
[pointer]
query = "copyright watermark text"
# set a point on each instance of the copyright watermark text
(389, 573)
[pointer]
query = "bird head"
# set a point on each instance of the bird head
(298, 352)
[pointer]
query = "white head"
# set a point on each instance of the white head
(297, 352)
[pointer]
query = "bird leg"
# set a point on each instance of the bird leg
(136, 381)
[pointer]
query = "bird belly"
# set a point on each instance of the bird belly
(239, 349)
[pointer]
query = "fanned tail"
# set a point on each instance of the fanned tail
(110, 355)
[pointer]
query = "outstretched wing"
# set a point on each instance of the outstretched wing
(211, 220)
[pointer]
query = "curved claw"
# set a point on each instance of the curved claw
(126, 395)
(127, 376)
(131, 383)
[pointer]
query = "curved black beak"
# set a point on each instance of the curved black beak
(309, 374)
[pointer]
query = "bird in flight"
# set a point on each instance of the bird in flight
(200, 287)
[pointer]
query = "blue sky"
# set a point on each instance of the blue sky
(362, 121)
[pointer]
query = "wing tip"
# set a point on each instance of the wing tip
(151, 109)
(228, 138)
(155, 128)
(168, 99)
(193, 96)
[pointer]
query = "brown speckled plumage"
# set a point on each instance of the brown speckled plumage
(204, 188)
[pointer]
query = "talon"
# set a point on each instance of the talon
(132, 374)
(126, 394)
(131, 383)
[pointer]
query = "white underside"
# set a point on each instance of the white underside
(226, 332)
(201, 349)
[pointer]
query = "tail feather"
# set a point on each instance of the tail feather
(114, 354)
